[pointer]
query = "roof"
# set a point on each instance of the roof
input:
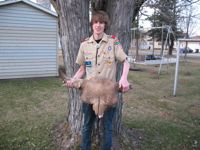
(195, 37)
(7, 2)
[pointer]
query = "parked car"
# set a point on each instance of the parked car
(188, 50)
(196, 50)
(152, 57)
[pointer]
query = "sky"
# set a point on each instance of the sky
(196, 20)
(195, 27)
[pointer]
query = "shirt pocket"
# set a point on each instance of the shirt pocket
(108, 60)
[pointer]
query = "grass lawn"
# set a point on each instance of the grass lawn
(165, 122)
(30, 108)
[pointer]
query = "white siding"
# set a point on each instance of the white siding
(28, 42)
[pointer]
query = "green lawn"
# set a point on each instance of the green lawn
(30, 108)
(165, 122)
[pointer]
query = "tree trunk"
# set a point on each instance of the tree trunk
(121, 16)
(73, 18)
(174, 25)
(73, 28)
(171, 46)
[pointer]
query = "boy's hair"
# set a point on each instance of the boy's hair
(100, 16)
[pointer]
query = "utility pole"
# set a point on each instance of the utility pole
(154, 20)
(162, 41)
(137, 37)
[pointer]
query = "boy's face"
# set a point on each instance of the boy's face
(98, 27)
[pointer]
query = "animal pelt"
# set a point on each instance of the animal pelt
(100, 92)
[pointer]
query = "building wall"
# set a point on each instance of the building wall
(28, 42)
(192, 45)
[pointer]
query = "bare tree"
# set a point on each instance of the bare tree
(188, 20)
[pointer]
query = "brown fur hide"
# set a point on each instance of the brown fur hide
(100, 92)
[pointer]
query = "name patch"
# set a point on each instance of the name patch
(88, 63)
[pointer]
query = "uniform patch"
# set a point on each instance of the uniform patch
(88, 63)
(109, 62)
(87, 52)
(113, 37)
(109, 48)
(117, 43)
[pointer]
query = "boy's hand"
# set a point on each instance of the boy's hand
(69, 83)
(124, 85)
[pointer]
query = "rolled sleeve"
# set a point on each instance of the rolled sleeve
(80, 57)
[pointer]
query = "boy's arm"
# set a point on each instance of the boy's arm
(123, 82)
(79, 74)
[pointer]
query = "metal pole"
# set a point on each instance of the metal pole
(177, 68)
(131, 39)
(162, 58)
(162, 41)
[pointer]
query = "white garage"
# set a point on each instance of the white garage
(28, 40)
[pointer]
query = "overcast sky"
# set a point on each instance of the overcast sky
(195, 23)
(195, 27)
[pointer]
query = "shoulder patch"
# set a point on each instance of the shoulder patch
(113, 36)
(85, 39)
(117, 43)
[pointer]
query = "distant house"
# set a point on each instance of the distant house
(192, 45)
(28, 40)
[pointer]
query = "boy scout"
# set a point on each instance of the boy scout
(97, 57)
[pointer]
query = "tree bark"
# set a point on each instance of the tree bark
(73, 20)
(121, 14)
(174, 28)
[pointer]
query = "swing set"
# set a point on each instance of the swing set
(162, 60)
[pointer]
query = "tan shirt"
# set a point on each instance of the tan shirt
(100, 58)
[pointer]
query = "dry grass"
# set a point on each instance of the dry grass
(156, 120)
(29, 108)
(168, 122)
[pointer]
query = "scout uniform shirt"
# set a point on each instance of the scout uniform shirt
(100, 58)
